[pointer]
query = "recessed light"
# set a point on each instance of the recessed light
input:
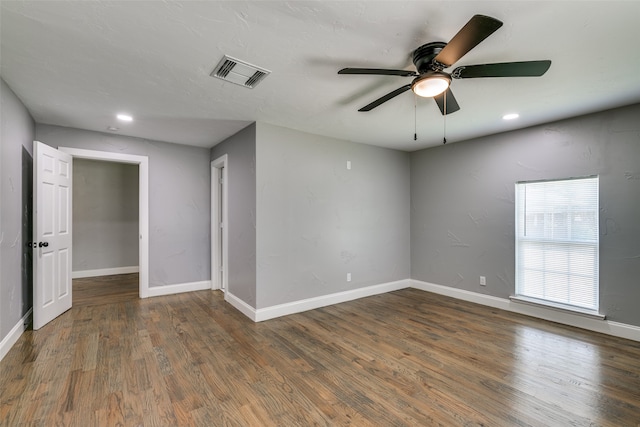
(113, 129)
(125, 117)
(510, 116)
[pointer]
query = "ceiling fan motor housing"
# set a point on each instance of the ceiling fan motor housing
(423, 57)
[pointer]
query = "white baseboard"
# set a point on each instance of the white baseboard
(104, 272)
(608, 327)
(462, 294)
(156, 291)
(325, 300)
(15, 333)
(240, 305)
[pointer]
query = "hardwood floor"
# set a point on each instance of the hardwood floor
(407, 358)
(105, 289)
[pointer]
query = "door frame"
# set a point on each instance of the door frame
(143, 203)
(219, 235)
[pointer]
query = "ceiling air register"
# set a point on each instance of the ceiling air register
(239, 72)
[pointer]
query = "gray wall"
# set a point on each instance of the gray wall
(179, 200)
(462, 203)
(16, 166)
(105, 215)
(318, 221)
(241, 170)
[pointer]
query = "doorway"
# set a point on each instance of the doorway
(143, 204)
(105, 231)
(219, 223)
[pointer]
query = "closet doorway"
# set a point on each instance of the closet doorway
(134, 184)
(105, 232)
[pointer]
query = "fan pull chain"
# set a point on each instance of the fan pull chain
(444, 133)
(415, 119)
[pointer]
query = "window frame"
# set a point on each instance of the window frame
(520, 220)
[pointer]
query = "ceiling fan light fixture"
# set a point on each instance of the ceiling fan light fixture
(431, 84)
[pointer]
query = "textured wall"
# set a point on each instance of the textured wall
(105, 215)
(179, 200)
(241, 170)
(17, 131)
(462, 203)
(318, 221)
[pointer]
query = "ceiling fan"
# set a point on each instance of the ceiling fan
(431, 59)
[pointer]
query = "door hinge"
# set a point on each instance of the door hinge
(222, 225)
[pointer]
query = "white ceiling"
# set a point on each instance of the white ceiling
(78, 63)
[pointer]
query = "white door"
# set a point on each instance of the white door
(221, 215)
(219, 223)
(51, 233)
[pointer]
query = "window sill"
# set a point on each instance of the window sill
(557, 307)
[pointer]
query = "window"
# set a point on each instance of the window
(557, 241)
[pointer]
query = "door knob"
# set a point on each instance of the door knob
(43, 244)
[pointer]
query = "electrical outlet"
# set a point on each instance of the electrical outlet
(349, 165)
(348, 277)
(483, 281)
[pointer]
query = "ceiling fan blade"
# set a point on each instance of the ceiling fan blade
(477, 29)
(452, 104)
(504, 69)
(378, 71)
(385, 98)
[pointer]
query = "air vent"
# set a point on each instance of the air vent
(239, 72)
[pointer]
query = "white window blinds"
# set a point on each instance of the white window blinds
(557, 241)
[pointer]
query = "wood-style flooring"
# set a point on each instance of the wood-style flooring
(406, 358)
(105, 289)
